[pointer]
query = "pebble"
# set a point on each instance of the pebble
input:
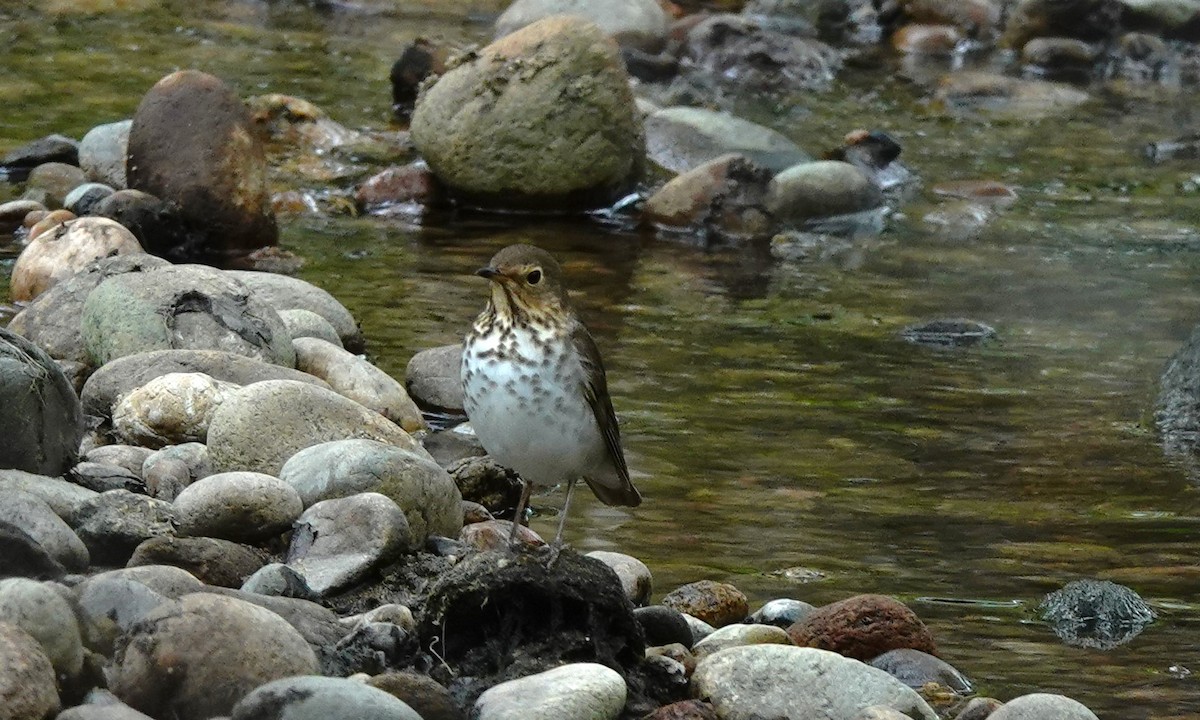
(238, 506)
(355, 378)
(210, 560)
(423, 490)
(130, 457)
(41, 610)
(1037, 706)
(579, 691)
(780, 681)
(337, 542)
(737, 635)
(699, 628)
(635, 577)
(863, 627)
(713, 602)
(318, 698)
(102, 153)
(36, 518)
(820, 189)
(492, 535)
(264, 424)
(433, 378)
(169, 410)
(114, 523)
(663, 625)
(27, 679)
(102, 477)
(783, 612)
(42, 423)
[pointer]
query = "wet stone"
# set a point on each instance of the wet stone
(49, 149)
(1042, 705)
(682, 139)
(663, 625)
(951, 333)
(130, 457)
(863, 627)
(433, 378)
(289, 293)
(23, 556)
(915, 668)
(783, 612)
(43, 422)
(713, 602)
(1096, 613)
(737, 635)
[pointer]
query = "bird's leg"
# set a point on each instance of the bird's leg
(562, 518)
(526, 491)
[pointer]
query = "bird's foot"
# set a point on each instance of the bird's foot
(553, 552)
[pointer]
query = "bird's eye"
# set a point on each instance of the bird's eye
(533, 277)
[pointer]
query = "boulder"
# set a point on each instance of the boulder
(356, 378)
(171, 409)
(240, 506)
(433, 378)
(680, 139)
(102, 153)
(27, 679)
(60, 253)
(640, 24)
(578, 691)
(820, 189)
(283, 292)
(42, 425)
(314, 697)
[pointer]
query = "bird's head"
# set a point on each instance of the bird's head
(526, 280)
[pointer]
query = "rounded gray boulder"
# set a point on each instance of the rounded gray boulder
(820, 189)
(42, 424)
(318, 698)
(240, 506)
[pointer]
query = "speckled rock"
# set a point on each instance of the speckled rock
(725, 198)
(863, 627)
(640, 24)
(579, 690)
(102, 153)
(195, 657)
(283, 292)
(820, 189)
(239, 506)
(680, 139)
(27, 679)
(492, 535)
(182, 307)
(56, 255)
(262, 425)
(306, 323)
(114, 523)
(477, 125)
(337, 542)
(434, 380)
(211, 560)
(170, 409)
(130, 457)
(423, 490)
(634, 575)
(35, 517)
(316, 698)
(713, 602)
(1037, 706)
(51, 321)
(41, 610)
(737, 635)
(213, 167)
(791, 683)
(359, 380)
(43, 422)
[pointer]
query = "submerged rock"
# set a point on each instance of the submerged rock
(949, 333)
(725, 199)
(820, 189)
(1096, 613)
(915, 669)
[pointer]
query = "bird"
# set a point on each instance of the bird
(534, 386)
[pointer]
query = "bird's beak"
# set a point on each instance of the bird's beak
(488, 272)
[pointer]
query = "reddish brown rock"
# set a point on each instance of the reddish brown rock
(986, 192)
(726, 195)
(47, 222)
(921, 39)
(493, 535)
(684, 710)
(193, 144)
(863, 627)
(408, 183)
(717, 604)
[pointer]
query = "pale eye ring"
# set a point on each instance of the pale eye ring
(534, 276)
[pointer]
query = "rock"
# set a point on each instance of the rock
(42, 611)
(102, 478)
(49, 149)
(1042, 705)
(102, 153)
(488, 483)
(713, 602)
(1089, 20)
(570, 611)
(213, 166)
(681, 139)
(13, 213)
(195, 657)
(168, 581)
(783, 613)
(319, 626)
(880, 712)
(927, 40)
(493, 535)
(949, 333)
(66, 499)
(1175, 19)
(51, 321)
(84, 199)
(640, 24)
(157, 224)
(453, 447)
(417, 62)
(43, 422)
(317, 698)
(114, 523)
(1096, 613)
(23, 556)
(1003, 96)
(699, 628)
(633, 573)
(37, 519)
(171, 469)
(979, 18)
(684, 710)
(45, 223)
(262, 425)
(211, 560)
(433, 379)
(337, 542)
(791, 683)
(359, 380)
(725, 197)
(130, 457)
(397, 185)
(430, 700)
(578, 690)
(121, 376)
(915, 668)
(288, 293)
(738, 635)
(1060, 58)
(863, 627)
(56, 255)
(50, 183)
(27, 679)
(737, 53)
(820, 189)
(238, 506)
(1177, 410)
(306, 323)
(277, 579)
(117, 710)
(663, 625)
(182, 307)
(170, 409)
(979, 708)
(425, 492)
(469, 125)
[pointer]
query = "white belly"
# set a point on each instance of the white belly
(527, 420)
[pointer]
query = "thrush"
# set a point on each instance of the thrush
(535, 389)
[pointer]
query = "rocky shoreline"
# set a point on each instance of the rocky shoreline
(215, 506)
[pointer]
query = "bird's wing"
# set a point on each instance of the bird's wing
(595, 389)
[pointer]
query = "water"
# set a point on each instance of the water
(773, 416)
